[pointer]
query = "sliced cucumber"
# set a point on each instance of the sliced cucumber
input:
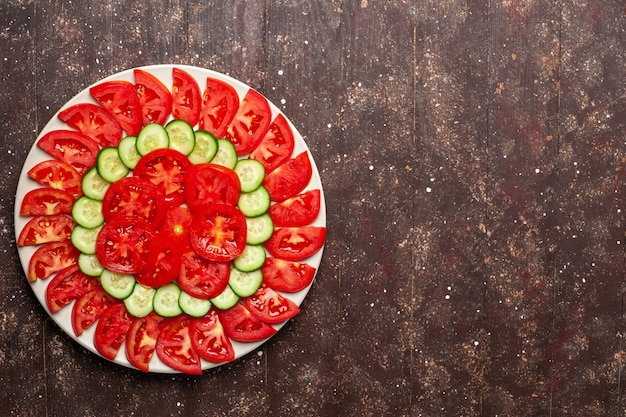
(251, 174)
(226, 299)
(140, 302)
(226, 154)
(254, 203)
(244, 284)
(252, 257)
(87, 212)
(85, 239)
(128, 151)
(182, 137)
(93, 185)
(152, 136)
(90, 265)
(195, 307)
(260, 229)
(117, 285)
(205, 148)
(165, 301)
(110, 166)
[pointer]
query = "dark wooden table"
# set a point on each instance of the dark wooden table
(473, 158)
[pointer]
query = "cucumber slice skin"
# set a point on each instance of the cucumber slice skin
(128, 151)
(140, 302)
(152, 136)
(227, 299)
(226, 155)
(244, 284)
(254, 203)
(252, 258)
(204, 149)
(181, 135)
(165, 301)
(260, 229)
(84, 239)
(192, 306)
(93, 185)
(110, 166)
(251, 174)
(87, 212)
(117, 285)
(89, 265)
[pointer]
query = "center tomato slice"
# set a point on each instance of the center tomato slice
(111, 330)
(208, 184)
(166, 266)
(141, 340)
(209, 339)
(219, 233)
(166, 169)
(176, 225)
(220, 103)
(93, 121)
(121, 101)
(186, 99)
(241, 325)
(154, 97)
(174, 346)
(201, 277)
(134, 197)
(250, 123)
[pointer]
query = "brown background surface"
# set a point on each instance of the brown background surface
(473, 158)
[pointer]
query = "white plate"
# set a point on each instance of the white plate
(36, 155)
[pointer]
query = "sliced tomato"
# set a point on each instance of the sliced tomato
(276, 146)
(174, 346)
(154, 97)
(121, 101)
(57, 174)
(75, 148)
(46, 201)
(186, 99)
(209, 339)
(220, 103)
(296, 211)
(167, 264)
(93, 121)
(241, 325)
(134, 197)
(111, 330)
(290, 178)
(141, 340)
(50, 258)
(270, 306)
(66, 286)
(44, 229)
(166, 169)
(250, 123)
(201, 277)
(287, 276)
(89, 307)
(126, 245)
(295, 243)
(207, 184)
(176, 225)
(219, 233)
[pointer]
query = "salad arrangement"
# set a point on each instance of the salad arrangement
(178, 227)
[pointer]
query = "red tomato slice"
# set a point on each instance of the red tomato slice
(126, 245)
(176, 225)
(111, 330)
(208, 184)
(166, 266)
(166, 169)
(44, 229)
(296, 211)
(47, 201)
(174, 346)
(89, 307)
(219, 233)
(270, 306)
(209, 339)
(57, 174)
(241, 325)
(141, 340)
(93, 121)
(154, 97)
(201, 277)
(250, 123)
(75, 148)
(186, 99)
(290, 178)
(66, 286)
(295, 243)
(50, 258)
(287, 276)
(121, 101)
(276, 146)
(134, 197)
(220, 103)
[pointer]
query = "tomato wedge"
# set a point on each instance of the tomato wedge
(134, 197)
(250, 123)
(44, 229)
(295, 243)
(276, 146)
(75, 148)
(166, 266)
(66, 286)
(290, 178)
(241, 325)
(141, 340)
(220, 103)
(271, 307)
(208, 184)
(57, 174)
(111, 330)
(186, 99)
(47, 201)
(93, 121)
(209, 339)
(174, 346)
(121, 101)
(287, 276)
(154, 97)
(219, 233)
(50, 258)
(166, 169)
(89, 307)
(201, 277)
(300, 210)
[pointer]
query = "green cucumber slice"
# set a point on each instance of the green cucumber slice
(182, 137)
(140, 302)
(165, 301)
(227, 299)
(205, 148)
(244, 284)
(226, 154)
(93, 185)
(152, 136)
(260, 229)
(252, 257)
(254, 203)
(117, 285)
(128, 151)
(251, 174)
(85, 239)
(195, 307)
(110, 166)
(87, 212)
(90, 265)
